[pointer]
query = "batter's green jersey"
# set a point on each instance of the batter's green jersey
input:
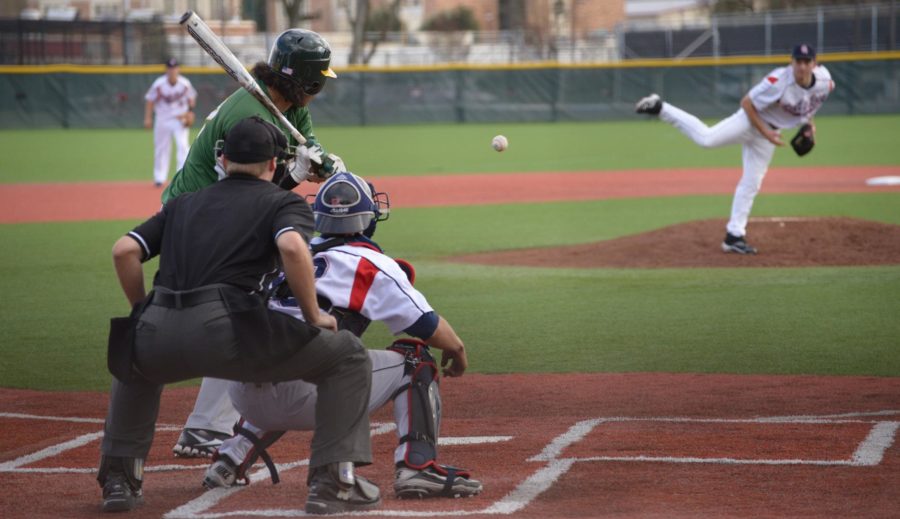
(199, 167)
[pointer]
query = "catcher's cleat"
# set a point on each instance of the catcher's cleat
(119, 495)
(429, 482)
(223, 473)
(651, 104)
(335, 489)
(737, 245)
(198, 443)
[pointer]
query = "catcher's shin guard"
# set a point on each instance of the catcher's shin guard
(421, 398)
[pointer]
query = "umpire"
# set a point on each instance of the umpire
(206, 317)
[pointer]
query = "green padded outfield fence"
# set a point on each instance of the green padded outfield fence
(74, 96)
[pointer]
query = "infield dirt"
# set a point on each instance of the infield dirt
(782, 242)
(565, 445)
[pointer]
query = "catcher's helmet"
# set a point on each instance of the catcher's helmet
(304, 57)
(347, 204)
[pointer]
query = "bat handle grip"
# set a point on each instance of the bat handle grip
(298, 136)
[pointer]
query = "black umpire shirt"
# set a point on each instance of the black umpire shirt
(224, 233)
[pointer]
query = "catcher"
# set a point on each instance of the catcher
(357, 283)
(786, 98)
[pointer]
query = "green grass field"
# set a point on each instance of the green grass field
(70, 156)
(59, 289)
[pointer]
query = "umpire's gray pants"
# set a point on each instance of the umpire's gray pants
(180, 344)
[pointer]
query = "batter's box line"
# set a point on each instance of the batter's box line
(197, 508)
(869, 452)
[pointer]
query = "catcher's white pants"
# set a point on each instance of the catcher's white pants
(291, 406)
(757, 153)
(164, 131)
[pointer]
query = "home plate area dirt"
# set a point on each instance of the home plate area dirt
(548, 445)
(782, 242)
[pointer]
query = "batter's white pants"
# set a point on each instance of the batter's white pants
(212, 409)
(757, 153)
(291, 406)
(164, 131)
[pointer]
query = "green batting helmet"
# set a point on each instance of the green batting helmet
(304, 57)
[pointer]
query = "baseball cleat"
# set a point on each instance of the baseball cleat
(334, 489)
(651, 104)
(198, 443)
(737, 245)
(223, 473)
(119, 495)
(420, 484)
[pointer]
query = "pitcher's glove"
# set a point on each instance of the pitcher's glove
(804, 141)
(188, 119)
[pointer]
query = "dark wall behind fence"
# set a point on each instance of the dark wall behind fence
(100, 97)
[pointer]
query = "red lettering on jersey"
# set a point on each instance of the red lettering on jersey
(772, 79)
(362, 282)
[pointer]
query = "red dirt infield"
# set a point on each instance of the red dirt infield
(119, 200)
(549, 445)
(545, 445)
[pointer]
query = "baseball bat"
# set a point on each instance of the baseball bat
(216, 48)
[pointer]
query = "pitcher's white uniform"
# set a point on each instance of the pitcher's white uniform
(359, 277)
(170, 102)
(781, 103)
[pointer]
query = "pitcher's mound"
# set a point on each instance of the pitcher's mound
(782, 242)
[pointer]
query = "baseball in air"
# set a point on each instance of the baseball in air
(499, 143)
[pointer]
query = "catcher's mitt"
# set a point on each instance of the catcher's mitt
(804, 141)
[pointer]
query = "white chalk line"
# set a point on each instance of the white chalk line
(869, 452)
(578, 431)
(472, 440)
(77, 419)
(210, 498)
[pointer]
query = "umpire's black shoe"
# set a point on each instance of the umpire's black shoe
(335, 489)
(119, 495)
(737, 244)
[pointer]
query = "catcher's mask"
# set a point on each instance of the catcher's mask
(347, 204)
(304, 57)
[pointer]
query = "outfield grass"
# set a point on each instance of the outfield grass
(59, 290)
(103, 155)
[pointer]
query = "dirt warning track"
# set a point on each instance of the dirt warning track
(576, 445)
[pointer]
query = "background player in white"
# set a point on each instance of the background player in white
(357, 283)
(787, 97)
(172, 98)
